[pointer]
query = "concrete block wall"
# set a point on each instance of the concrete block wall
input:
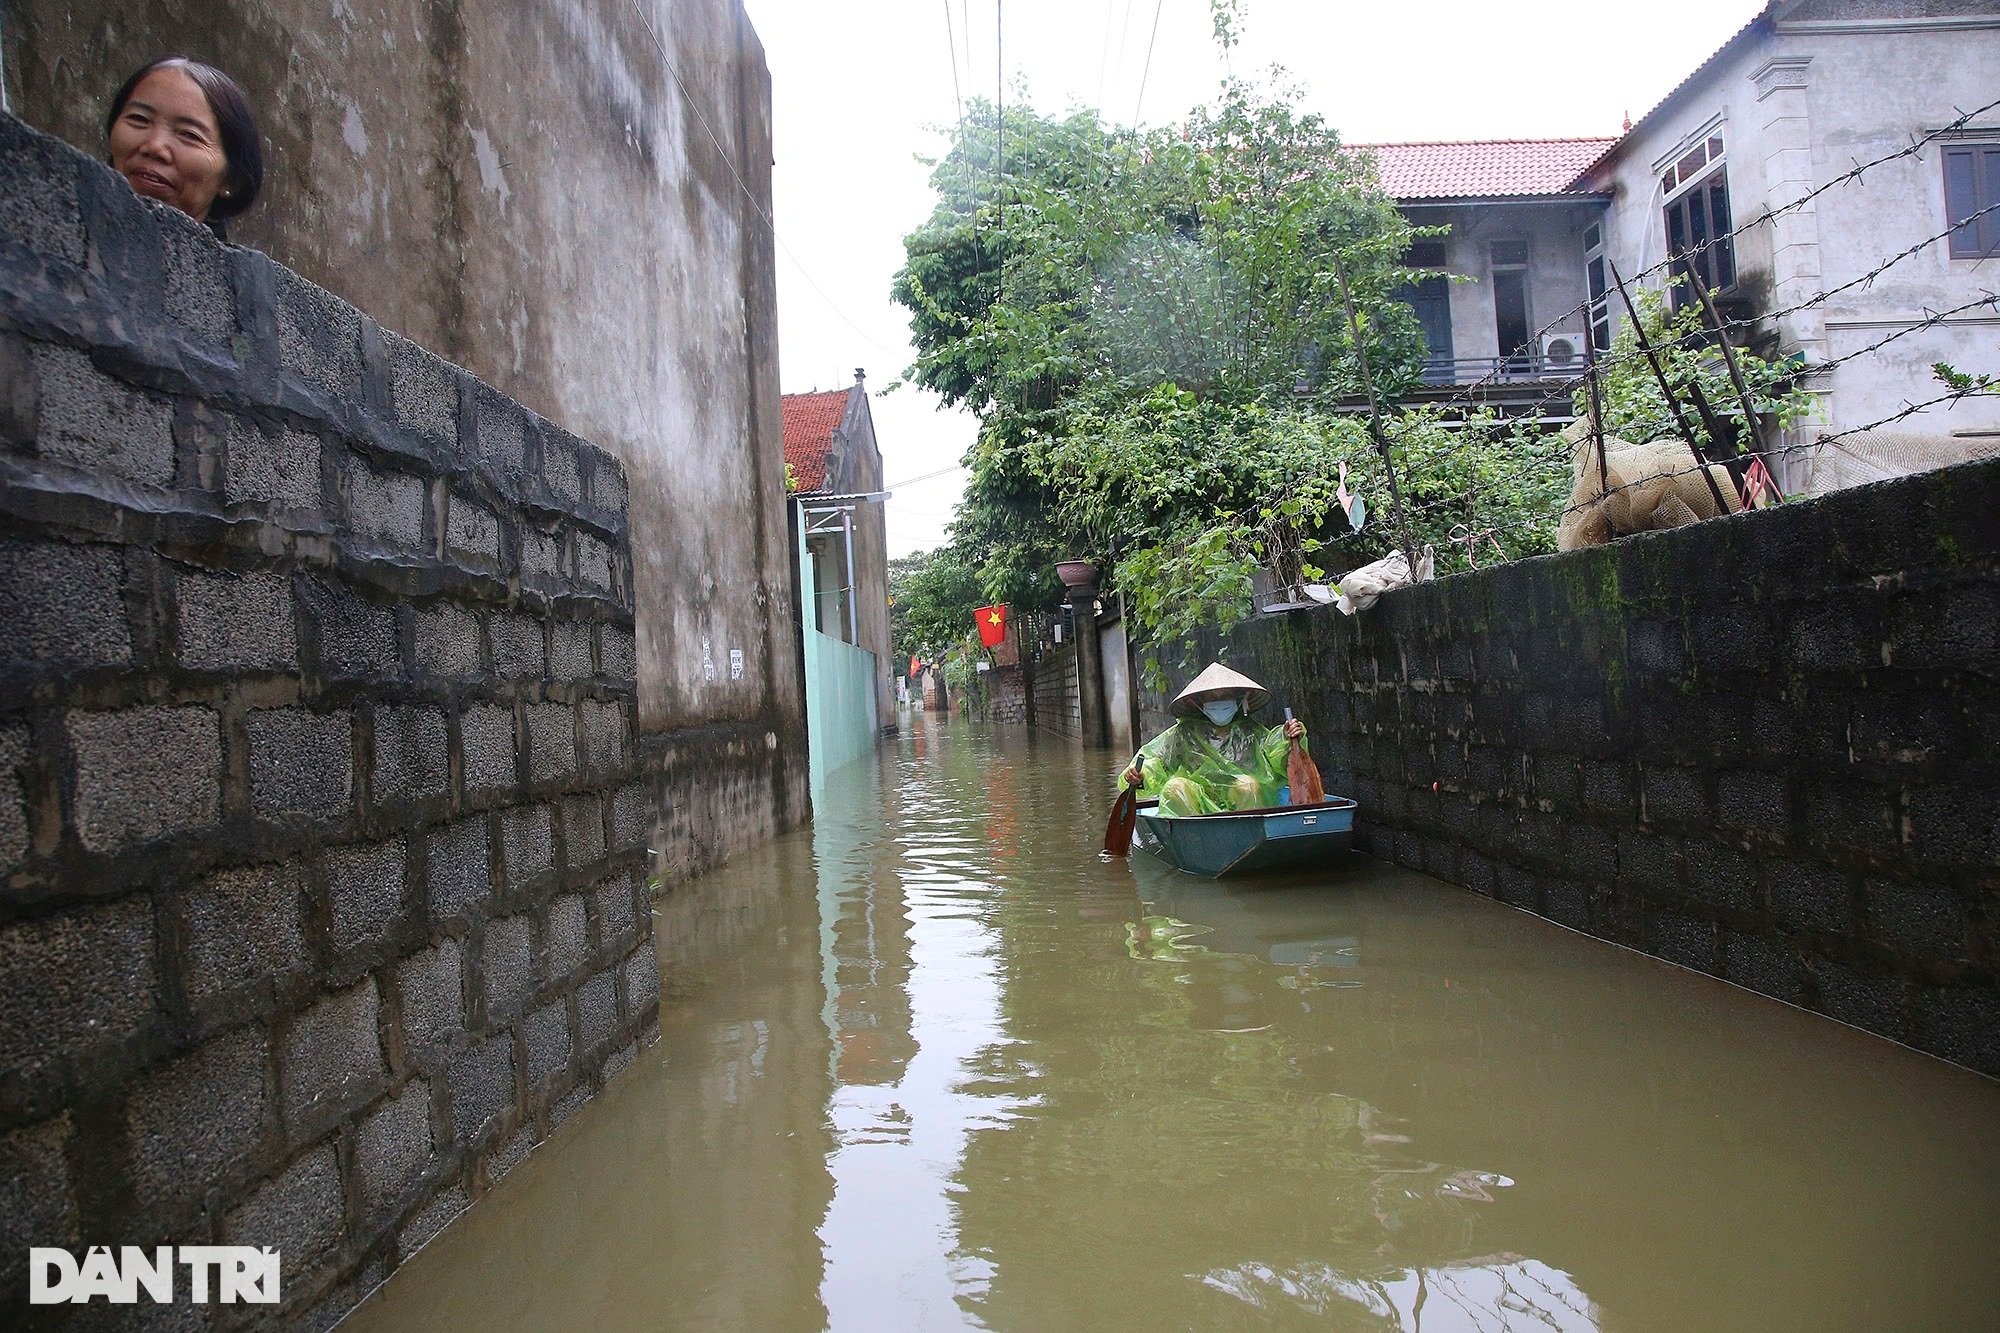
(1765, 747)
(324, 877)
(1055, 705)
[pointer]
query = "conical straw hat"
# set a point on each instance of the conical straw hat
(1216, 680)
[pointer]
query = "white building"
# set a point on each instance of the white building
(1740, 168)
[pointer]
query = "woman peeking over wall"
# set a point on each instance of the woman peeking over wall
(181, 132)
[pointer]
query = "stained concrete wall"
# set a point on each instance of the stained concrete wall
(1763, 747)
(325, 816)
(526, 190)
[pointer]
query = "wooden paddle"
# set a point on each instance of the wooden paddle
(1124, 813)
(1302, 773)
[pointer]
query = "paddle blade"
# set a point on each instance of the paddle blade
(1303, 774)
(1118, 833)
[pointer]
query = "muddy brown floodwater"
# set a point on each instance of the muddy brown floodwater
(934, 1063)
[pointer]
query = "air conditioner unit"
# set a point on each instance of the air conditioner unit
(1562, 351)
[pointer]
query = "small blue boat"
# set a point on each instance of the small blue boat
(1248, 842)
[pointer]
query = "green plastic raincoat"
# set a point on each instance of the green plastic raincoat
(1197, 768)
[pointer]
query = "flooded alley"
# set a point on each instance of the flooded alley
(935, 1063)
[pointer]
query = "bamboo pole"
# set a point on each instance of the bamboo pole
(1401, 518)
(1673, 403)
(1750, 421)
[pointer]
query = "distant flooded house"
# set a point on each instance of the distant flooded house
(1832, 173)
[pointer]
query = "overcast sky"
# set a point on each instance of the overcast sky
(862, 91)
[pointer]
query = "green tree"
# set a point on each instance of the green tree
(932, 596)
(1134, 314)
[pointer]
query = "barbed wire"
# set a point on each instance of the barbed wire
(1770, 215)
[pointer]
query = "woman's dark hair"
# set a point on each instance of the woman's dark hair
(242, 147)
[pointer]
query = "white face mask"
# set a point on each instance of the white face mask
(1219, 711)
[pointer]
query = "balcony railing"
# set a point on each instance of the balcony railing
(1450, 372)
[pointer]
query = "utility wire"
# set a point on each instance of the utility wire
(758, 207)
(1147, 70)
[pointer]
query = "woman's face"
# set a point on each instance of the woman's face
(166, 145)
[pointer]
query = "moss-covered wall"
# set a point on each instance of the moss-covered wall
(1764, 747)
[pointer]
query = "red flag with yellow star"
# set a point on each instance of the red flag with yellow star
(992, 624)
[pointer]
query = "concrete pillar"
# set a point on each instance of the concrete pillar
(1089, 665)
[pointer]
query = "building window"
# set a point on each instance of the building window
(1510, 303)
(1430, 299)
(1598, 312)
(1698, 219)
(1972, 183)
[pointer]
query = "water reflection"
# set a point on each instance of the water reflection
(936, 1064)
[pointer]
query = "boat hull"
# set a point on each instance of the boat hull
(1250, 842)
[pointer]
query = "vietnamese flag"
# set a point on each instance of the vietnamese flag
(915, 666)
(992, 624)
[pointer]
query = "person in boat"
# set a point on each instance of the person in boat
(1215, 758)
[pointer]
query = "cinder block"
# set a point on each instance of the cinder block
(551, 741)
(561, 470)
(144, 772)
(38, 193)
(193, 1121)
(597, 1009)
(472, 531)
(509, 1155)
(201, 297)
(583, 829)
(273, 465)
(1755, 801)
(508, 964)
(642, 982)
(90, 420)
(461, 873)
(518, 649)
(607, 482)
(545, 1033)
(319, 336)
(593, 562)
(569, 653)
(1675, 795)
(486, 735)
(611, 904)
(1961, 1024)
(74, 981)
(332, 1056)
(365, 891)
(15, 750)
(1684, 940)
(1650, 862)
(447, 641)
(301, 763)
(544, 562)
(620, 1060)
(387, 506)
(61, 602)
(632, 814)
(527, 838)
(571, 1103)
(20, 392)
(1869, 1001)
(604, 734)
(502, 430)
(432, 1218)
(1920, 919)
(35, 1203)
(1721, 876)
(568, 936)
(1809, 896)
(1948, 628)
(237, 622)
(424, 390)
(482, 1086)
(615, 651)
(392, 1145)
(242, 926)
(432, 990)
(412, 755)
(1764, 965)
(298, 1212)
(354, 637)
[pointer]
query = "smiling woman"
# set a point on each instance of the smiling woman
(181, 132)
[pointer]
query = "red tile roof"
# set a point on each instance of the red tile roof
(810, 420)
(1493, 168)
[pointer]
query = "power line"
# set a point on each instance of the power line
(1147, 70)
(951, 44)
(751, 198)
